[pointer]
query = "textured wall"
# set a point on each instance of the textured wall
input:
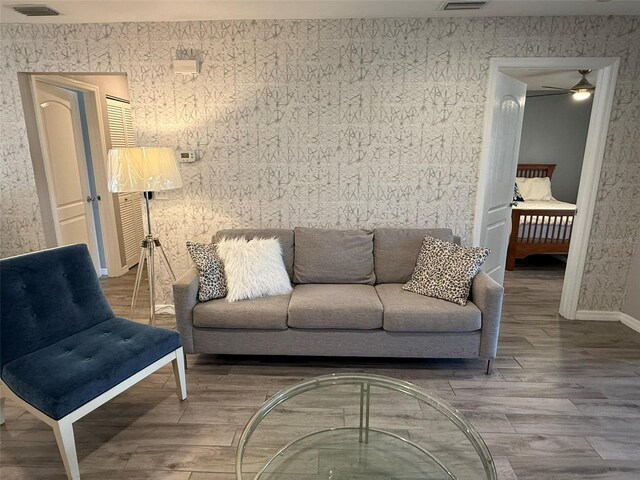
(555, 131)
(326, 123)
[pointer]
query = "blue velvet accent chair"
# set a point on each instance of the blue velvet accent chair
(63, 353)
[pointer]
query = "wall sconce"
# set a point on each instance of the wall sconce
(187, 62)
(186, 67)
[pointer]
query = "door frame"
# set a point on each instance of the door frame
(98, 147)
(607, 74)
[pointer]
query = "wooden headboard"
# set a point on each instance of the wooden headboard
(535, 170)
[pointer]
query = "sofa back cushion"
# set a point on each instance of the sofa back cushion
(396, 251)
(284, 236)
(333, 256)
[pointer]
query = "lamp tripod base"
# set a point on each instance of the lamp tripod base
(147, 254)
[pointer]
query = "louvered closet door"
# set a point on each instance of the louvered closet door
(115, 112)
(130, 204)
(132, 230)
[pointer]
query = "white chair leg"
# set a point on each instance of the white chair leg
(67, 445)
(178, 372)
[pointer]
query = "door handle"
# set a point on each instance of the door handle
(93, 199)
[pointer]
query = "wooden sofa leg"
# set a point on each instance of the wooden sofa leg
(2, 400)
(489, 365)
(179, 373)
(67, 445)
(1, 408)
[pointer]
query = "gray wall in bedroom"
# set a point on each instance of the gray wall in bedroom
(632, 298)
(555, 131)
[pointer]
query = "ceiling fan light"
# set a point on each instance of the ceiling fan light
(581, 94)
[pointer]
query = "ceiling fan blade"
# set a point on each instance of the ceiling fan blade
(557, 88)
(548, 94)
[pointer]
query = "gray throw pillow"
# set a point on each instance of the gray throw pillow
(213, 282)
(445, 270)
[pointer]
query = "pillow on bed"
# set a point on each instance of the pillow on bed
(532, 189)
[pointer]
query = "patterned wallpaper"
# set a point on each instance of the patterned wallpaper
(342, 123)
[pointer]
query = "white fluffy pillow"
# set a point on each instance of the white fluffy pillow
(532, 189)
(253, 268)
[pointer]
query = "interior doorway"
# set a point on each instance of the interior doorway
(552, 146)
(72, 121)
(66, 163)
(494, 220)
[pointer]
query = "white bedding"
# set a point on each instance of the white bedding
(544, 205)
(551, 228)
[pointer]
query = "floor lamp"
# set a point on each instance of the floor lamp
(145, 169)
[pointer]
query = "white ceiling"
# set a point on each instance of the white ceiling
(536, 78)
(98, 11)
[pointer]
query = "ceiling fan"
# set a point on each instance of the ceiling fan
(580, 91)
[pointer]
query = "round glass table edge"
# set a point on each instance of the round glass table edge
(449, 411)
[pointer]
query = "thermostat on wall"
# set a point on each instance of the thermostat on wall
(186, 157)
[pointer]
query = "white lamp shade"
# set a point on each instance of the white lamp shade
(143, 169)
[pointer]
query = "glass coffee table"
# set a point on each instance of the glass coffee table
(360, 427)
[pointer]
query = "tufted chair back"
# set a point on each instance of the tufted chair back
(45, 297)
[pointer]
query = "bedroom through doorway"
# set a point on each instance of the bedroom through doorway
(552, 144)
(552, 220)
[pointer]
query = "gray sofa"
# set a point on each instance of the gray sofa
(347, 301)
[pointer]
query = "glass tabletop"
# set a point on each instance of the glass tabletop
(357, 426)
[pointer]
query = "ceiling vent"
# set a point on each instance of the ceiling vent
(35, 10)
(470, 5)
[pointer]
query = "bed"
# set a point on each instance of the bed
(539, 226)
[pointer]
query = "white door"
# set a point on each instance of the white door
(66, 167)
(504, 145)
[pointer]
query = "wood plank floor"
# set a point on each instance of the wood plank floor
(562, 403)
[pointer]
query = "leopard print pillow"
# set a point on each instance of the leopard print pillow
(445, 270)
(213, 282)
(517, 196)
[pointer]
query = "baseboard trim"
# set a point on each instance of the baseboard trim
(598, 315)
(629, 321)
(166, 308)
(603, 316)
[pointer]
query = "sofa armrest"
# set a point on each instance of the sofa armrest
(185, 297)
(487, 295)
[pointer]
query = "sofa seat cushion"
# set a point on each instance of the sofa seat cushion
(341, 306)
(264, 313)
(409, 312)
(73, 371)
